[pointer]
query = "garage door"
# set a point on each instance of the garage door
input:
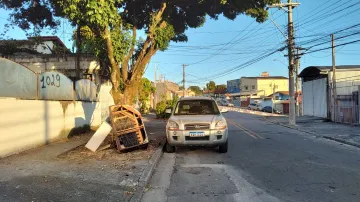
(314, 101)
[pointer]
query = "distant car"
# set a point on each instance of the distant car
(226, 103)
(270, 110)
(255, 107)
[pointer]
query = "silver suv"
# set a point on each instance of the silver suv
(196, 121)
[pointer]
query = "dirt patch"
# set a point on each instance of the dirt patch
(81, 153)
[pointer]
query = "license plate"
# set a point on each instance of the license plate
(196, 134)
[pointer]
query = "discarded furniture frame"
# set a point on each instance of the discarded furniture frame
(128, 127)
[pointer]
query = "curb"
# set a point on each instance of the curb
(252, 112)
(312, 133)
(292, 127)
(146, 174)
(342, 141)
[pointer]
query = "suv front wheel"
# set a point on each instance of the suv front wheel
(223, 148)
(168, 148)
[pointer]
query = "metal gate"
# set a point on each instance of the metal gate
(314, 98)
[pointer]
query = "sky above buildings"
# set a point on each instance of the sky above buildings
(224, 50)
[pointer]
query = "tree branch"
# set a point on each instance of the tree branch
(115, 70)
(149, 45)
(139, 68)
(125, 63)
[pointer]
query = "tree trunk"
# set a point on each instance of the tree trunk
(131, 91)
(125, 63)
(148, 50)
(115, 69)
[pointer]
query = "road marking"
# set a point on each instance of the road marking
(247, 131)
(259, 136)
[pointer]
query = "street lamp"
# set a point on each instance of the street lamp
(280, 62)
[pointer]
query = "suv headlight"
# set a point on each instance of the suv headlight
(220, 125)
(172, 126)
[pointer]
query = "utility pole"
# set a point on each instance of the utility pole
(272, 99)
(78, 51)
(334, 77)
(155, 69)
(291, 44)
(297, 82)
(184, 90)
(155, 81)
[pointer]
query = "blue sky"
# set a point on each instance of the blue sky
(224, 45)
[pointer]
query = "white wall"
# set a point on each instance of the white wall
(347, 81)
(25, 124)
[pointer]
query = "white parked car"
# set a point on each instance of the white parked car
(254, 106)
(196, 121)
(226, 103)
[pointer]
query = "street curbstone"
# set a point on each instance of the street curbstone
(291, 127)
(146, 174)
(342, 141)
(312, 133)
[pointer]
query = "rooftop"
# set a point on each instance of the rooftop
(283, 92)
(49, 38)
(315, 72)
(267, 77)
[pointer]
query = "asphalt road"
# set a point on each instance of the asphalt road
(265, 162)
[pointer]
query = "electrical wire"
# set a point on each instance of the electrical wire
(343, 44)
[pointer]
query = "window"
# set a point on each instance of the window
(253, 87)
(196, 107)
(246, 88)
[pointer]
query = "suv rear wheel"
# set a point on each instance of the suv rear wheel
(223, 148)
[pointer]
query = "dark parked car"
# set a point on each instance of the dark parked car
(270, 110)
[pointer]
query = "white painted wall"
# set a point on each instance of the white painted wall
(347, 81)
(25, 124)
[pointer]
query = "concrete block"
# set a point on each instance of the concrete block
(99, 136)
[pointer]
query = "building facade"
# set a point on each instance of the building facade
(165, 90)
(263, 86)
(233, 86)
(318, 90)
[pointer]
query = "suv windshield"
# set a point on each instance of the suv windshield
(196, 107)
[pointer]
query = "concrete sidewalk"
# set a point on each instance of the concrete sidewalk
(344, 133)
(67, 171)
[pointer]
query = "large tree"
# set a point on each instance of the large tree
(220, 87)
(113, 26)
(211, 86)
(195, 89)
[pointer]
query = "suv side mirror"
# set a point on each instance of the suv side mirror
(168, 111)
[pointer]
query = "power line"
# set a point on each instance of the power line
(230, 31)
(325, 36)
(231, 42)
(241, 66)
(323, 11)
(321, 49)
(338, 38)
